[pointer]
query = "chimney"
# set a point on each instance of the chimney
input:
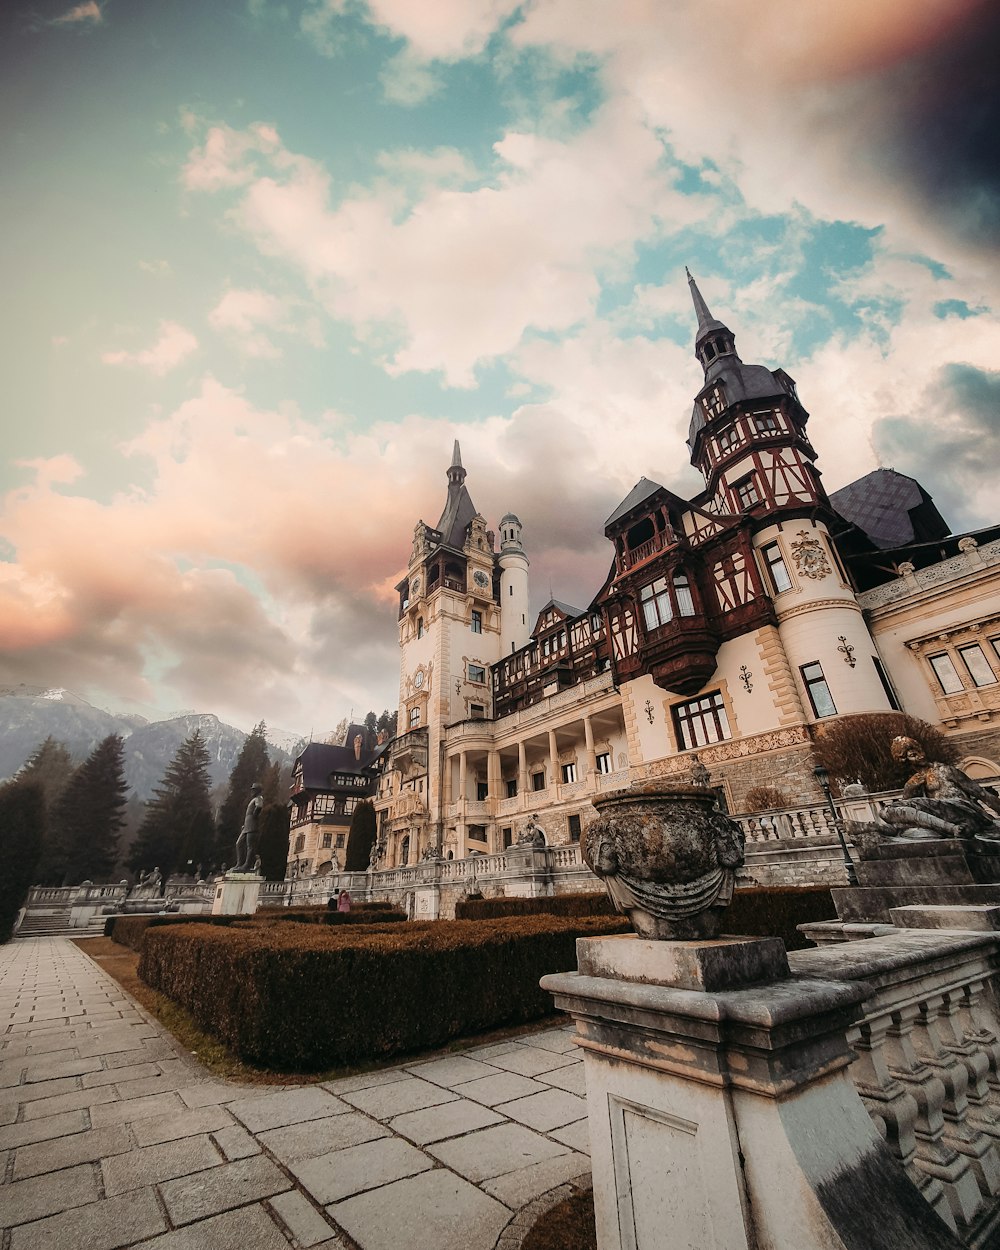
(357, 746)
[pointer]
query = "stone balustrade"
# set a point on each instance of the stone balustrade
(928, 1062)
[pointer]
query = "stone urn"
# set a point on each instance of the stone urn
(667, 857)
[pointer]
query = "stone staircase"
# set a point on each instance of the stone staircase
(55, 923)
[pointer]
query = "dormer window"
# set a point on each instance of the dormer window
(710, 352)
(714, 403)
(766, 423)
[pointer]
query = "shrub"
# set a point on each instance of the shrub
(774, 911)
(130, 930)
(764, 799)
(479, 908)
(858, 748)
(297, 997)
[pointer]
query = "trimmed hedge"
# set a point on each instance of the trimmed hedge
(130, 930)
(774, 911)
(304, 998)
(554, 905)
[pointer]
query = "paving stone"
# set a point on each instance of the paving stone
(576, 1136)
(235, 1142)
(515, 1189)
(386, 1101)
(127, 1111)
(209, 1093)
(448, 1120)
(42, 1130)
(51, 1045)
(365, 1080)
(452, 1071)
(186, 1123)
(293, 1106)
(114, 1076)
(433, 1211)
(11, 1073)
(149, 1166)
(531, 1060)
(504, 1087)
(572, 1079)
(149, 1053)
(220, 1189)
(493, 1151)
(91, 1098)
(332, 1177)
(101, 1043)
(318, 1137)
(488, 1052)
(40, 1196)
(157, 1084)
(53, 1069)
(65, 1152)
(549, 1110)
(301, 1218)
(99, 1226)
(560, 1040)
(43, 1089)
(249, 1228)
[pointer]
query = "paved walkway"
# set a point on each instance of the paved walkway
(112, 1137)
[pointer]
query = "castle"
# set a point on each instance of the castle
(730, 626)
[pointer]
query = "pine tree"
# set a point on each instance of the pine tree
(250, 767)
(273, 844)
(387, 724)
(22, 828)
(178, 815)
(89, 814)
(361, 837)
(50, 766)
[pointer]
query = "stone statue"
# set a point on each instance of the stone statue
(257, 865)
(431, 852)
(378, 851)
(938, 801)
(334, 862)
(154, 878)
(246, 843)
(667, 857)
(532, 835)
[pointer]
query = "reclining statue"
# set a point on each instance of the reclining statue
(938, 801)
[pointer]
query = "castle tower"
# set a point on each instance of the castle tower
(514, 627)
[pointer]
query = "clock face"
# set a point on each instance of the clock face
(415, 586)
(418, 678)
(480, 578)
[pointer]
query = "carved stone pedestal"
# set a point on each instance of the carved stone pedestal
(237, 894)
(724, 1116)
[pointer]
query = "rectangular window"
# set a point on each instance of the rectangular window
(569, 772)
(482, 791)
(574, 828)
(946, 673)
(508, 836)
(414, 717)
(746, 492)
(300, 843)
(701, 721)
(477, 622)
(682, 589)
(766, 423)
(340, 837)
(604, 762)
(974, 659)
(512, 787)
(477, 711)
(777, 568)
(477, 673)
(656, 606)
(818, 690)
(995, 644)
(887, 686)
(538, 781)
(327, 841)
(729, 438)
(420, 627)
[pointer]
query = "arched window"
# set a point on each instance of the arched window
(404, 850)
(682, 592)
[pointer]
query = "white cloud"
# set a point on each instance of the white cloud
(174, 345)
(158, 267)
(407, 80)
(90, 11)
(444, 30)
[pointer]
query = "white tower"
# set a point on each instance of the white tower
(515, 629)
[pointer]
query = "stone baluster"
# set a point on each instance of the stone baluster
(893, 1109)
(984, 1102)
(931, 1044)
(980, 1026)
(933, 1154)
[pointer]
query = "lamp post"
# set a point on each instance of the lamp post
(822, 775)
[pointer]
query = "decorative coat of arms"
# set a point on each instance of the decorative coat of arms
(809, 556)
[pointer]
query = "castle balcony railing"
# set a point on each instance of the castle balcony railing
(613, 781)
(659, 542)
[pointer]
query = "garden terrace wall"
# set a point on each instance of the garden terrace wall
(305, 998)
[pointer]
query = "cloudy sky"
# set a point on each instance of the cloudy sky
(262, 262)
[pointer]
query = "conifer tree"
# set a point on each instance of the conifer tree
(179, 815)
(250, 767)
(273, 844)
(50, 765)
(89, 814)
(361, 837)
(22, 824)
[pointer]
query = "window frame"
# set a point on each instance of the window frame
(950, 663)
(568, 773)
(476, 621)
(535, 777)
(748, 484)
(471, 671)
(814, 684)
(655, 599)
(603, 755)
(693, 717)
(774, 562)
(977, 646)
(413, 717)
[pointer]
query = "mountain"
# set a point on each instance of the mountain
(29, 714)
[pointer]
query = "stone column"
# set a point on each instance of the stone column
(554, 760)
(522, 774)
(723, 1115)
(588, 733)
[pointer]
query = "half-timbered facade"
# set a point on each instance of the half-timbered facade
(727, 631)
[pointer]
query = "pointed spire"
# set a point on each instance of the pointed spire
(706, 322)
(456, 456)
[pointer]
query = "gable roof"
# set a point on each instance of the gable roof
(643, 489)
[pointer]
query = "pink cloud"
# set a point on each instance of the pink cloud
(174, 345)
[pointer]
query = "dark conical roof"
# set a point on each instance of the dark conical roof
(639, 493)
(707, 324)
(459, 508)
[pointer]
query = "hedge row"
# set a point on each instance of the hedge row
(759, 911)
(301, 998)
(555, 905)
(130, 930)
